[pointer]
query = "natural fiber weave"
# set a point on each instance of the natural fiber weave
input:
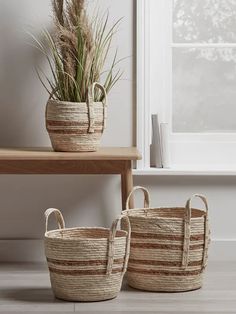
(86, 264)
(76, 126)
(168, 250)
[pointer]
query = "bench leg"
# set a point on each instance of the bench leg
(127, 184)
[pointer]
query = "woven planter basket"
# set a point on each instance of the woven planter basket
(77, 126)
(168, 250)
(86, 264)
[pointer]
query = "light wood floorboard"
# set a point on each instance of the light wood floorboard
(26, 288)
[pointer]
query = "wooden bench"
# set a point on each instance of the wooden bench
(108, 160)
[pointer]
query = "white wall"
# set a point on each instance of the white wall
(86, 200)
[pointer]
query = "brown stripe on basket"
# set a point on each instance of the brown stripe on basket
(163, 263)
(164, 246)
(71, 123)
(68, 109)
(165, 272)
(76, 272)
(165, 236)
(71, 132)
(83, 263)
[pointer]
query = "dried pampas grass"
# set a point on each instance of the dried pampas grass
(76, 52)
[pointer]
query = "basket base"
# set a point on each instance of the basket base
(165, 283)
(166, 290)
(74, 150)
(76, 143)
(85, 301)
(85, 288)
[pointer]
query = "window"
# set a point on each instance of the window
(186, 72)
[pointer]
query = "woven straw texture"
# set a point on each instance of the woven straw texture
(168, 250)
(76, 126)
(86, 264)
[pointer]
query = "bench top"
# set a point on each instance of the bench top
(104, 153)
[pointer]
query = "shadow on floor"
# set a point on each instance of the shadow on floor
(33, 295)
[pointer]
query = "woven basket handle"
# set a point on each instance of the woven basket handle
(58, 215)
(146, 197)
(111, 248)
(187, 230)
(91, 91)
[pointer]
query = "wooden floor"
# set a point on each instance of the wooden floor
(26, 288)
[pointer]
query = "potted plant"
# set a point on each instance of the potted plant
(76, 52)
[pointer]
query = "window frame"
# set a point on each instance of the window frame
(154, 67)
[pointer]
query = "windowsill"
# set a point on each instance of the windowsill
(188, 171)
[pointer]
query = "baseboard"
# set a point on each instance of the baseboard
(33, 251)
(21, 250)
(222, 250)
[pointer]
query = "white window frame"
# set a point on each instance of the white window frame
(154, 67)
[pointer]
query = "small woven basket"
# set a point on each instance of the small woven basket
(168, 250)
(77, 126)
(86, 264)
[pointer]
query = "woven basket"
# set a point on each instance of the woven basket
(86, 264)
(77, 126)
(168, 250)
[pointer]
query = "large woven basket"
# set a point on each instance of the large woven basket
(168, 246)
(86, 264)
(77, 126)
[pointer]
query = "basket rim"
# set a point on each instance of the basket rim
(64, 102)
(135, 214)
(47, 234)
